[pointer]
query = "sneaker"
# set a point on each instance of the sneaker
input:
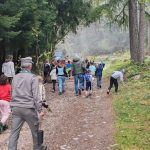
(79, 90)
(108, 91)
(53, 91)
(43, 147)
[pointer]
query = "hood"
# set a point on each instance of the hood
(5, 64)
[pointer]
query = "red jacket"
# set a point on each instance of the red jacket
(5, 92)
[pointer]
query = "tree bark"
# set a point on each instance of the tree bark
(148, 37)
(133, 29)
(2, 54)
(141, 33)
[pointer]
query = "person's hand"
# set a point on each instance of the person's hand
(41, 114)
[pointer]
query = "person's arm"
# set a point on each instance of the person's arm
(121, 78)
(73, 70)
(12, 69)
(65, 72)
(2, 68)
(35, 92)
(56, 70)
(51, 72)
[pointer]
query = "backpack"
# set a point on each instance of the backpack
(87, 77)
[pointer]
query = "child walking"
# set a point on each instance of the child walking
(61, 73)
(5, 89)
(53, 77)
(41, 89)
(88, 79)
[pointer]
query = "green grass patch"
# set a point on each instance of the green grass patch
(132, 104)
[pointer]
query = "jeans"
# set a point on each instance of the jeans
(78, 79)
(98, 79)
(61, 82)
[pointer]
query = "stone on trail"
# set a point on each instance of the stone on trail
(75, 139)
(90, 136)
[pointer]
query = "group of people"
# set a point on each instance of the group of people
(24, 96)
(82, 71)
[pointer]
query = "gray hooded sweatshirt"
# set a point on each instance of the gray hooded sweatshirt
(25, 93)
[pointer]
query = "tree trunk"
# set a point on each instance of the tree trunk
(141, 33)
(148, 37)
(133, 29)
(2, 54)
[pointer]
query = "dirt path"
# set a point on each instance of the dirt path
(77, 123)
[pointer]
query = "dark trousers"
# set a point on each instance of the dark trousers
(113, 82)
(54, 84)
(46, 74)
(10, 80)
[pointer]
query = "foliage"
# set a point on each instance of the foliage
(114, 12)
(31, 27)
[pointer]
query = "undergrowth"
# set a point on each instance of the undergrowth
(132, 104)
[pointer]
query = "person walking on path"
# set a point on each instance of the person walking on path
(61, 73)
(88, 79)
(8, 68)
(25, 104)
(98, 74)
(92, 69)
(5, 89)
(77, 72)
(42, 93)
(47, 69)
(69, 68)
(53, 77)
(113, 80)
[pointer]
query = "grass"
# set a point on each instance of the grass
(132, 104)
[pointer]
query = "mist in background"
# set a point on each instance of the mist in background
(95, 40)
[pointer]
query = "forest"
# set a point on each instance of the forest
(35, 27)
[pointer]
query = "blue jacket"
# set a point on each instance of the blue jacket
(99, 70)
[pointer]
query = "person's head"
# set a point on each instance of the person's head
(47, 61)
(69, 62)
(9, 58)
(60, 64)
(87, 71)
(123, 71)
(53, 65)
(91, 63)
(3, 79)
(40, 79)
(26, 63)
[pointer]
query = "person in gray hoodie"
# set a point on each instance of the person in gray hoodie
(8, 68)
(26, 105)
(77, 72)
